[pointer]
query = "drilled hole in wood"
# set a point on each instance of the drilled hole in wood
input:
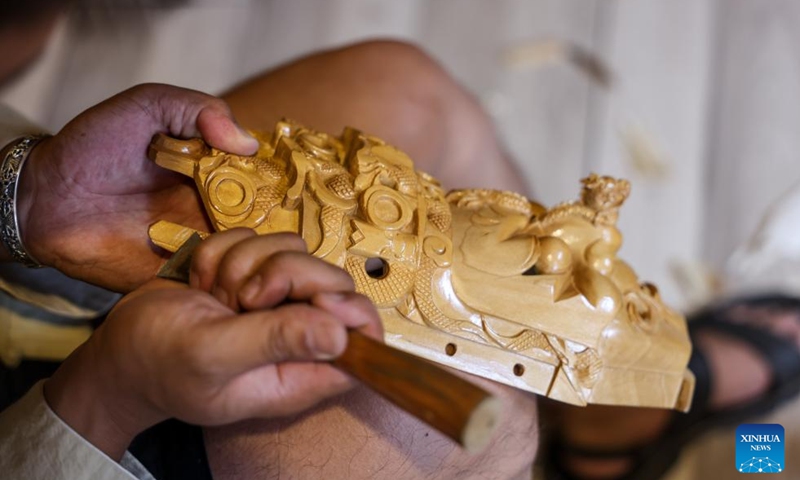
(376, 267)
(450, 349)
(519, 369)
(531, 271)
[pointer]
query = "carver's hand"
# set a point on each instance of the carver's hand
(168, 350)
(88, 194)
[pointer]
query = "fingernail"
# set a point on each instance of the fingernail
(246, 137)
(322, 344)
(324, 357)
(332, 297)
(251, 289)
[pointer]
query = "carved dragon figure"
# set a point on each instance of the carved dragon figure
(484, 281)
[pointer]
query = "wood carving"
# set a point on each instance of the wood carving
(484, 281)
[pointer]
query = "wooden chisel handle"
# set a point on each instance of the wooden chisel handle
(457, 408)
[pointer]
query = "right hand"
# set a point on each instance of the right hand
(168, 350)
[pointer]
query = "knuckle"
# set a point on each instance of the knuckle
(279, 341)
(244, 231)
(363, 301)
(283, 260)
(217, 103)
(347, 279)
(215, 247)
(292, 241)
(283, 242)
(204, 252)
(203, 259)
(234, 265)
(365, 304)
(143, 88)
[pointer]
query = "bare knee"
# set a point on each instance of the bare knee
(440, 123)
(431, 105)
(390, 89)
(404, 69)
(418, 95)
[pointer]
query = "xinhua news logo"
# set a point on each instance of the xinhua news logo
(759, 448)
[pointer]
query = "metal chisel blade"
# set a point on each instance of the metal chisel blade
(177, 267)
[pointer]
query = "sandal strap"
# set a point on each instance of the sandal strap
(556, 467)
(775, 300)
(704, 382)
(699, 366)
(782, 355)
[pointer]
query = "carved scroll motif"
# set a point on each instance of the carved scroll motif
(485, 281)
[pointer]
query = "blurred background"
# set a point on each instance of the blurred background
(697, 102)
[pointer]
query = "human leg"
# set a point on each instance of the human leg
(361, 436)
(394, 91)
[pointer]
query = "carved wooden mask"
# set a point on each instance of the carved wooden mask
(484, 281)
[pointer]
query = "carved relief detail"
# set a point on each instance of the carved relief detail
(485, 281)
(424, 295)
(386, 291)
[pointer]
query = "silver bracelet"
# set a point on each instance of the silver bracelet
(10, 169)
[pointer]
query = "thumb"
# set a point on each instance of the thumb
(189, 113)
(216, 125)
(353, 309)
(293, 332)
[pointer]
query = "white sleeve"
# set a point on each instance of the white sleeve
(36, 444)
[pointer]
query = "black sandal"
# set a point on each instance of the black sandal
(651, 461)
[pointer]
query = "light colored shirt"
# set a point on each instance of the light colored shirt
(36, 444)
(45, 315)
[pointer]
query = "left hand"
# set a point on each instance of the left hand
(88, 194)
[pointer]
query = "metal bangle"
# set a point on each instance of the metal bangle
(10, 169)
